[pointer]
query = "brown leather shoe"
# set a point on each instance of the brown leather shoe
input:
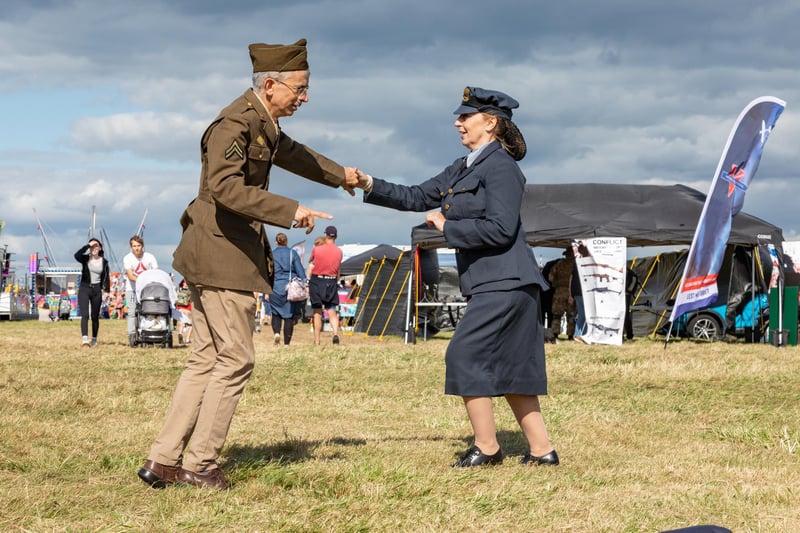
(157, 475)
(207, 479)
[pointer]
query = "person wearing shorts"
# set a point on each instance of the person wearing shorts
(323, 285)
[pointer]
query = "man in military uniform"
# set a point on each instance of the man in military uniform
(559, 279)
(225, 256)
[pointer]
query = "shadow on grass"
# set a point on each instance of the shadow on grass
(295, 450)
(285, 452)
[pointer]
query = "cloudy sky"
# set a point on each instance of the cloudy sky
(102, 103)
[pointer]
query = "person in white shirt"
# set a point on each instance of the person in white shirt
(134, 263)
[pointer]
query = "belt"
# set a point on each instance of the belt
(323, 277)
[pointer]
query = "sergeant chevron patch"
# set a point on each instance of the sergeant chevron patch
(234, 149)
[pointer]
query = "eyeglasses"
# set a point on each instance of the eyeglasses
(298, 91)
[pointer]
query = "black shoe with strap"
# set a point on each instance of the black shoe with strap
(475, 457)
(546, 459)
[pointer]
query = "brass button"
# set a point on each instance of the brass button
(446, 207)
(449, 191)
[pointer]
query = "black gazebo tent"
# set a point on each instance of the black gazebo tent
(646, 215)
(355, 265)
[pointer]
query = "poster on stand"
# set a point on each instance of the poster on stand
(601, 267)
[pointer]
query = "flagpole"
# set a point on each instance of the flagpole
(753, 292)
(140, 229)
(92, 224)
(666, 340)
(49, 257)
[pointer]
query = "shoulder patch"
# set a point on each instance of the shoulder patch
(234, 149)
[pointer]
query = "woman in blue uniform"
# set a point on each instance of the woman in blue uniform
(498, 346)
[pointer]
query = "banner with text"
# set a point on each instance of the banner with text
(735, 171)
(601, 267)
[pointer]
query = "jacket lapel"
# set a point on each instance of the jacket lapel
(270, 129)
(465, 171)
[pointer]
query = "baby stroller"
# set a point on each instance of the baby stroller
(155, 302)
(64, 307)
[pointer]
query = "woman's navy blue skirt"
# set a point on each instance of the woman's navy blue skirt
(498, 346)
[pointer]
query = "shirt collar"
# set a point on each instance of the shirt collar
(266, 109)
(475, 153)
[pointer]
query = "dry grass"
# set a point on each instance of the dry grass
(359, 438)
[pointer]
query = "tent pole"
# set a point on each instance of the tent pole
(753, 291)
(408, 335)
(779, 328)
(410, 338)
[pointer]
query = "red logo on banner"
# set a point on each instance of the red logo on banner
(735, 175)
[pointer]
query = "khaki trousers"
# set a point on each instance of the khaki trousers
(213, 379)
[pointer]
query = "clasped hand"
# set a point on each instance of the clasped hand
(434, 219)
(353, 178)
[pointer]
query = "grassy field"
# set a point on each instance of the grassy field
(359, 437)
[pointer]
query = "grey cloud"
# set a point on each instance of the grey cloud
(612, 91)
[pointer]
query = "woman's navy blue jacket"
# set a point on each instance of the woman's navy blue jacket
(482, 207)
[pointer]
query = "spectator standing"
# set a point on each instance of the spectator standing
(323, 288)
(224, 254)
(183, 303)
(560, 277)
(576, 292)
(631, 284)
(284, 313)
(95, 285)
(119, 303)
(135, 262)
(547, 295)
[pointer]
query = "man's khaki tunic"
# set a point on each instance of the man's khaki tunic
(225, 256)
(224, 244)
